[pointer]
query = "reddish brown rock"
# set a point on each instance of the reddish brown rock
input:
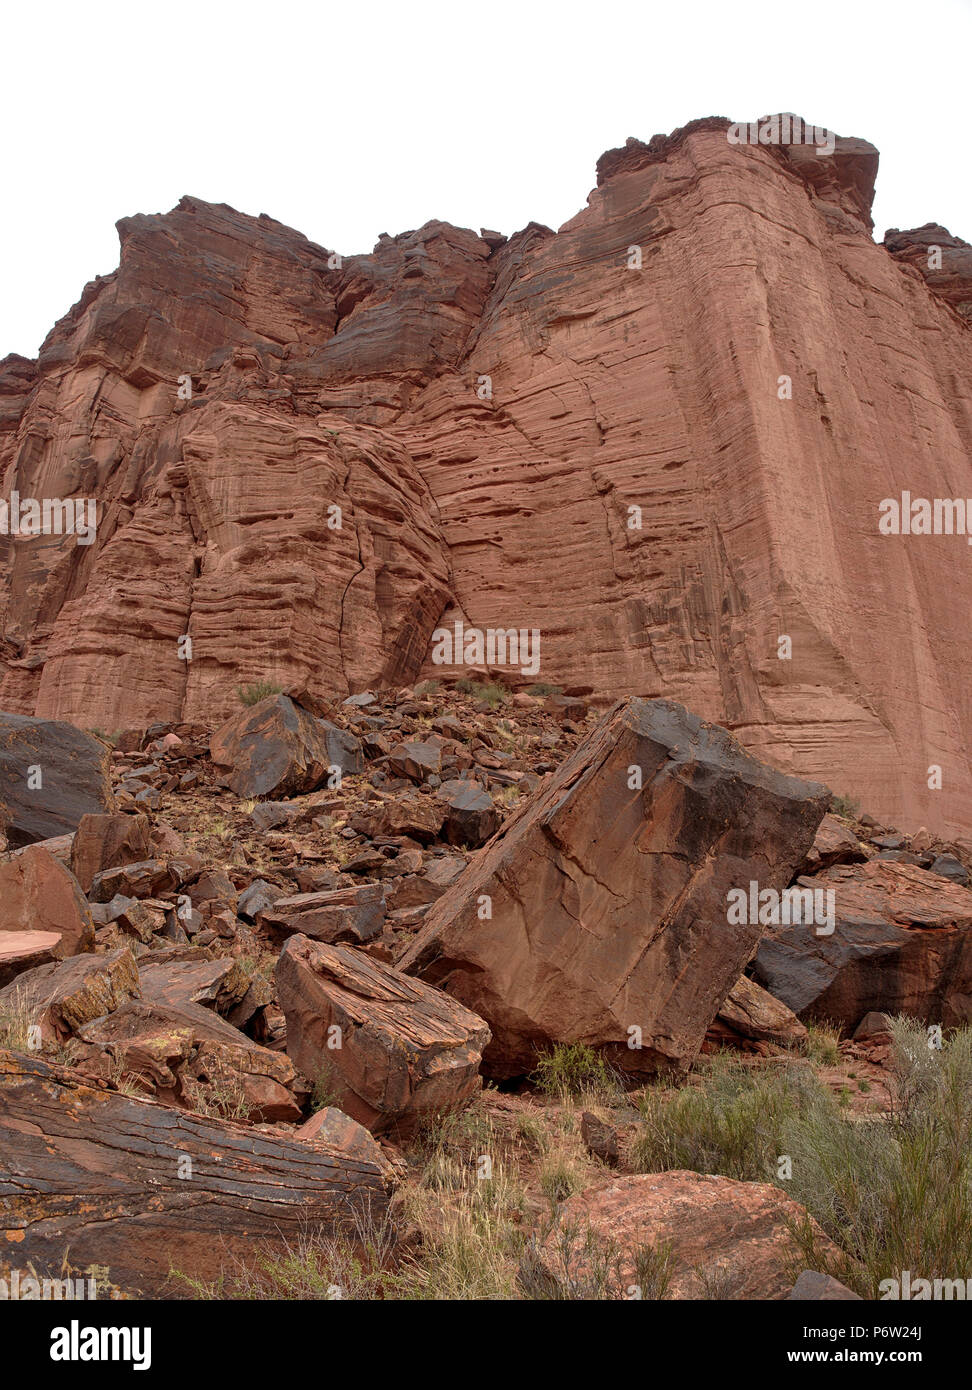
(726, 1239)
(79, 1162)
(420, 817)
(944, 262)
(137, 880)
(188, 1056)
(59, 999)
(275, 748)
(344, 478)
(353, 915)
(218, 984)
(751, 1015)
(23, 950)
(832, 844)
(341, 1132)
(902, 943)
(392, 1049)
(37, 893)
(471, 816)
(106, 841)
(607, 901)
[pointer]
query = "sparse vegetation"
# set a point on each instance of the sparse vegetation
(823, 1044)
(574, 1069)
(490, 692)
(16, 1020)
(893, 1192)
(261, 690)
(326, 1089)
(845, 806)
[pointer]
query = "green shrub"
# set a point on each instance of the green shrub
(253, 694)
(574, 1069)
(893, 1192)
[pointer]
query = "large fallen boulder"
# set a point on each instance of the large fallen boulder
(722, 1238)
(37, 893)
(276, 748)
(391, 1049)
(600, 913)
(106, 841)
(901, 943)
(94, 1178)
(51, 774)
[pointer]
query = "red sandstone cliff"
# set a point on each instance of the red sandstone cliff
(359, 386)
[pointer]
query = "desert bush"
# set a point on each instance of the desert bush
(491, 692)
(574, 1069)
(261, 690)
(893, 1192)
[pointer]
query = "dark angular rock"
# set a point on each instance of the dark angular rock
(74, 771)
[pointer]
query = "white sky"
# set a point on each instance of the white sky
(375, 118)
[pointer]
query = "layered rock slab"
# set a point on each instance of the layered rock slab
(76, 1165)
(599, 913)
(37, 893)
(392, 1049)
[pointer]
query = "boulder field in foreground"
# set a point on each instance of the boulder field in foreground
(602, 906)
(93, 1178)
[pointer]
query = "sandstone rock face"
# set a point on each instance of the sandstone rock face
(78, 1163)
(402, 1050)
(305, 467)
(902, 943)
(726, 1238)
(944, 261)
(51, 775)
(608, 894)
(37, 893)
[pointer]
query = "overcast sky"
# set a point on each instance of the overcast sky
(384, 115)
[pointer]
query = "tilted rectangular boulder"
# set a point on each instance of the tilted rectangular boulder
(599, 913)
(392, 1049)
